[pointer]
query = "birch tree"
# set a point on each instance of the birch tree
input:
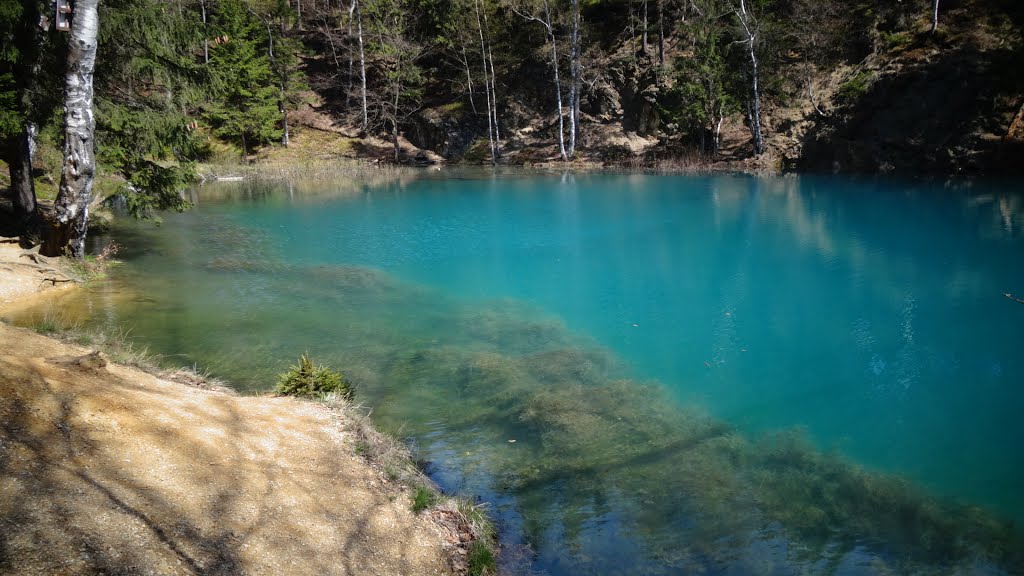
(575, 73)
(358, 15)
(703, 78)
(750, 31)
(494, 90)
(935, 15)
(492, 117)
(545, 21)
(394, 54)
(71, 208)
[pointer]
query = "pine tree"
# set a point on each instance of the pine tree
(148, 78)
(247, 105)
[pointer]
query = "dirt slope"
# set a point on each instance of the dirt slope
(109, 470)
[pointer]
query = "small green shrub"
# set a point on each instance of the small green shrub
(895, 40)
(854, 88)
(309, 380)
(423, 499)
(480, 559)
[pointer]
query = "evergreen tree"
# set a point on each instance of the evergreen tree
(246, 108)
(24, 47)
(148, 79)
(704, 81)
(394, 52)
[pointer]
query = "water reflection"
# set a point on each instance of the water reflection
(769, 302)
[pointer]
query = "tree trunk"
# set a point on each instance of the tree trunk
(286, 137)
(549, 28)
(469, 78)
(574, 79)
(644, 33)
(21, 148)
(23, 192)
(754, 101)
(661, 32)
(558, 84)
(394, 117)
(351, 57)
(935, 15)
(206, 40)
(494, 94)
(71, 209)
(362, 63)
(718, 129)
(487, 85)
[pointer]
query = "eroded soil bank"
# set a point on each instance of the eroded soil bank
(110, 469)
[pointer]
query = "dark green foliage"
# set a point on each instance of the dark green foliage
(707, 88)
(313, 381)
(480, 559)
(10, 119)
(854, 88)
(147, 79)
(25, 49)
(422, 499)
(154, 187)
(11, 19)
(246, 108)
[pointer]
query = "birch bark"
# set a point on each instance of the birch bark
(754, 101)
(71, 208)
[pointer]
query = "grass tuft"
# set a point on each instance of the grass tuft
(481, 559)
(422, 499)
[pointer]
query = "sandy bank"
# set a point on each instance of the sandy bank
(109, 469)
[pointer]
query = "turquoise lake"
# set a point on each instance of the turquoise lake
(714, 375)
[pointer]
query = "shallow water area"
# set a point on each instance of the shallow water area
(642, 374)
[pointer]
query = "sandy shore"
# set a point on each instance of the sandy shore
(109, 469)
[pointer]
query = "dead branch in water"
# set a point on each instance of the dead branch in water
(1011, 297)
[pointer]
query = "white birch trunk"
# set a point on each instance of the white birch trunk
(718, 129)
(754, 102)
(469, 78)
(351, 56)
(71, 208)
(661, 32)
(206, 40)
(487, 85)
(935, 15)
(574, 79)
(494, 96)
(546, 23)
(362, 64)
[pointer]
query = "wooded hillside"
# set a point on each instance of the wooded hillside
(876, 86)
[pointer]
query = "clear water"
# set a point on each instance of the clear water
(723, 374)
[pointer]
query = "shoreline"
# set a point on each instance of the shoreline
(113, 467)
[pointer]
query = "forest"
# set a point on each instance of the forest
(919, 87)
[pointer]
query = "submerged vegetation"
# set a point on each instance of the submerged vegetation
(555, 421)
(506, 402)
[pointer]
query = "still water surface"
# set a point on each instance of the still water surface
(721, 375)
